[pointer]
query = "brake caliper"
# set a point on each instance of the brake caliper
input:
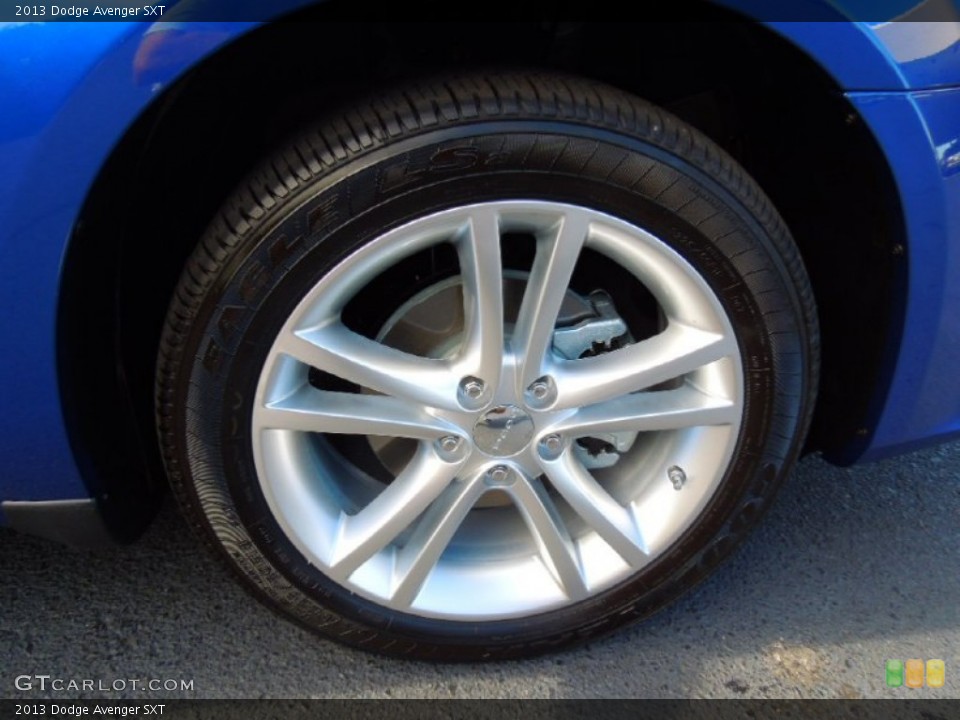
(602, 331)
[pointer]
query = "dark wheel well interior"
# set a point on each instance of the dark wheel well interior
(757, 96)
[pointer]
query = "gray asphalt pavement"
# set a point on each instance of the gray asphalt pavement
(851, 567)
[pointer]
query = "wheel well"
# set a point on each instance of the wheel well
(757, 96)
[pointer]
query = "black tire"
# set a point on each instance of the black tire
(418, 150)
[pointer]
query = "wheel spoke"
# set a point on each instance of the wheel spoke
(361, 536)
(319, 411)
(557, 549)
(482, 273)
(431, 536)
(337, 350)
(676, 351)
(556, 256)
(645, 411)
(613, 522)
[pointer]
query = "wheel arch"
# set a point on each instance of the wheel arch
(190, 147)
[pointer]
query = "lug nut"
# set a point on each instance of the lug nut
(449, 447)
(541, 392)
(677, 476)
(498, 475)
(550, 446)
(471, 390)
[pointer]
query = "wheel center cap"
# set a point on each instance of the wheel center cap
(503, 431)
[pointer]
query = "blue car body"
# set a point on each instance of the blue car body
(72, 90)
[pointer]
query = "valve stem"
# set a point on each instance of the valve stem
(677, 476)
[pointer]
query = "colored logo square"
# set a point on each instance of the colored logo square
(914, 674)
(894, 673)
(936, 673)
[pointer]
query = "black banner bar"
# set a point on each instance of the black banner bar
(181, 11)
(488, 709)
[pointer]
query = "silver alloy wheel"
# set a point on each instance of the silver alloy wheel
(499, 413)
